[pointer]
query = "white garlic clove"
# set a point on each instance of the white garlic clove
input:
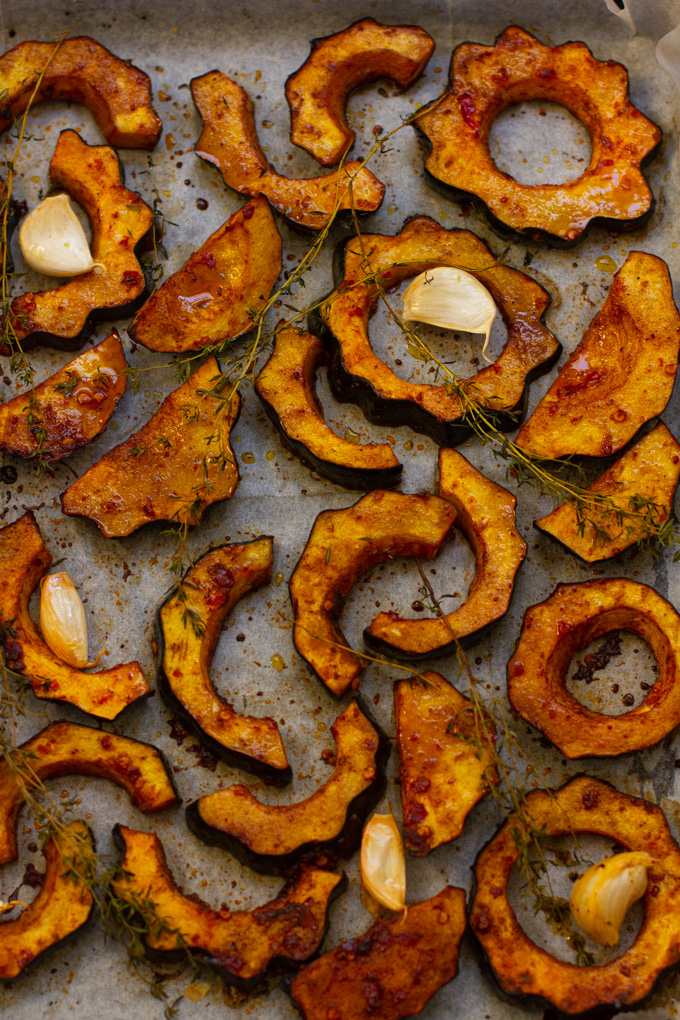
(53, 241)
(450, 297)
(602, 896)
(383, 867)
(62, 619)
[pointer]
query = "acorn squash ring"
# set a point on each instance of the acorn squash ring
(573, 616)
(519, 966)
(485, 80)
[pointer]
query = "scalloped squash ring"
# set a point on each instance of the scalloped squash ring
(486, 79)
(573, 616)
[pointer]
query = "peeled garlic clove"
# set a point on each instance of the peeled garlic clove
(383, 868)
(53, 241)
(603, 894)
(452, 298)
(62, 619)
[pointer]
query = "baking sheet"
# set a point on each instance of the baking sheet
(124, 580)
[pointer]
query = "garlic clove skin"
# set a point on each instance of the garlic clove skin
(602, 896)
(62, 619)
(383, 867)
(53, 241)
(450, 297)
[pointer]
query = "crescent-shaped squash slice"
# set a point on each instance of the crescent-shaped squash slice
(219, 289)
(229, 142)
(61, 908)
(171, 470)
(64, 317)
(445, 760)
(620, 375)
(65, 749)
(80, 70)
(271, 838)
(24, 560)
(286, 387)
(189, 623)
(636, 496)
(337, 65)
(243, 944)
(70, 408)
(522, 968)
(554, 630)
(485, 513)
(392, 970)
(342, 546)
(485, 80)
(359, 376)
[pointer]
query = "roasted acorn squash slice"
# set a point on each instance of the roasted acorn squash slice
(169, 470)
(485, 80)
(81, 70)
(392, 970)
(271, 838)
(554, 630)
(522, 968)
(215, 294)
(342, 546)
(485, 513)
(189, 624)
(64, 749)
(61, 908)
(338, 64)
(64, 317)
(243, 944)
(445, 761)
(24, 560)
(229, 142)
(286, 387)
(358, 375)
(620, 375)
(70, 408)
(646, 473)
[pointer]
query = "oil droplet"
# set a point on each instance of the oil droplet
(408, 445)
(546, 159)
(248, 458)
(201, 203)
(605, 264)
(278, 579)
(277, 662)
(352, 437)
(270, 454)
(321, 727)
(391, 209)
(169, 142)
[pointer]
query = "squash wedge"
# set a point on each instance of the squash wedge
(338, 64)
(167, 471)
(120, 220)
(286, 387)
(219, 289)
(229, 142)
(342, 546)
(24, 561)
(241, 944)
(621, 374)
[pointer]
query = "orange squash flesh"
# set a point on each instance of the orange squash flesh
(621, 374)
(554, 630)
(24, 561)
(159, 474)
(485, 513)
(337, 65)
(648, 471)
(70, 408)
(229, 141)
(485, 80)
(342, 546)
(522, 968)
(81, 70)
(216, 293)
(91, 174)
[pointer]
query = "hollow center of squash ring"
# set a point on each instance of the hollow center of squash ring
(612, 674)
(538, 142)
